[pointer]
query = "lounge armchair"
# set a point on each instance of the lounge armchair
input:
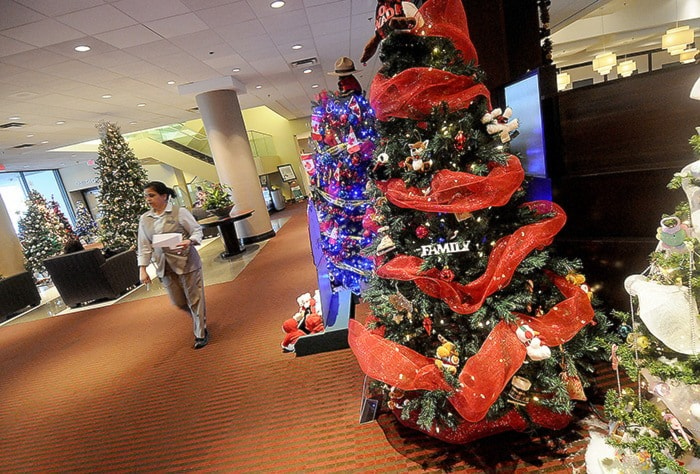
(86, 276)
(16, 293)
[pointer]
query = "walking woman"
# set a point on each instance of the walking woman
(179, 268)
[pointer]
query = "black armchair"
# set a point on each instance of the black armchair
(16, 293)
(86, 276)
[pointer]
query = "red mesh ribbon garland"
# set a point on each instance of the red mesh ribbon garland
(466, 432)
(503, 260)
(565, 319)
(413, 92)
(487, 372)
(458, 191)
(393, 363)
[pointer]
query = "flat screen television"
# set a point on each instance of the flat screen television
(524, 97)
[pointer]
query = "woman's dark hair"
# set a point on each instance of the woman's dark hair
(159, 187)
(72, 245)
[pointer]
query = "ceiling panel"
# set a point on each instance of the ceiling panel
(16, 14)
(130, 36)
(177, 25)
(43, 33)
(9, 46)
(54, 8)
(227, 15)
(97, 19)
(150, 10)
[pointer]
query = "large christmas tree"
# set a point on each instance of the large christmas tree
(476, 327)
(40, 232)
(121, 178)
(344, 138)
(656, 427)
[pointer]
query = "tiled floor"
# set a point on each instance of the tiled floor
(216, 270)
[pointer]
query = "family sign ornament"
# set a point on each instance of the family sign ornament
(448, 247)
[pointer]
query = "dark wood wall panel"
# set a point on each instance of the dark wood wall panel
(621, 143)
(618, 205)
(641, 122)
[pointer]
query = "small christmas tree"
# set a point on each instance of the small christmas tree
(344, 138)
(85, 225)
(39, 234)
(657, 426)
(476, 328)
(121, 178)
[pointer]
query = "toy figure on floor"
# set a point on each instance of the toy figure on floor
(347, 84)
(305, 321)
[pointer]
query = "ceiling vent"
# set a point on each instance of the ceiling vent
(23, 145)
(304, 63)
(194, 110)
(12, 125)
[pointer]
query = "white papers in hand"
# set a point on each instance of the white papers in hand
(169, 240)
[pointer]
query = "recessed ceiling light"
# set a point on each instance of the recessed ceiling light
(107, 96)
(30, 135)
(258, 86)
(308, 71)
(13, 118)
(170, 83)
(277, 4)
(44, 142)
(60, 122)
(133, 122)
(62, 164)
(314, 86)
(82, 48)
(236, 69)
(141, 105)
(297, 46)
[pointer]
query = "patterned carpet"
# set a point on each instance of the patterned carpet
(119, 389)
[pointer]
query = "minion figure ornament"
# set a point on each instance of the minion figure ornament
(347, 84)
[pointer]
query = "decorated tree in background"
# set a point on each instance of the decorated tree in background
(344, 138)
(476, 327)
(121, 178)
(61, 222)
(85, 225)
(657, 426)
(39, 233)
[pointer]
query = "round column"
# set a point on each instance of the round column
(233, 158)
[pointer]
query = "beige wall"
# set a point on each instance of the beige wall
(11, 257)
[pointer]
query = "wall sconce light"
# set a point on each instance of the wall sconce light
(688, 56)
(626, 68)
(675, 39)
(604, 62)
(695, 93)
(563, 80)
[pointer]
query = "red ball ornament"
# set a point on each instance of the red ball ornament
(428, 324)
(460, 140)
(422, 232)
(447, 274)
(343, 119)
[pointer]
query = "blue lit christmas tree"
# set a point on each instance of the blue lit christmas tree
(342, 129)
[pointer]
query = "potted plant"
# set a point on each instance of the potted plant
(218, 199)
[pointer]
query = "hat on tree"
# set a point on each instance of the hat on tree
(344, 66)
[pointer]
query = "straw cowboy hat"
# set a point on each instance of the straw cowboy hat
(344, 67)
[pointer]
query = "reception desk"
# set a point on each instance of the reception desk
(227, 230)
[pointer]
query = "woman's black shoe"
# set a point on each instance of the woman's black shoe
(200, 342)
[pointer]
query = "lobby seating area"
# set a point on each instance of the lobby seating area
(17, 292)
(87, 276)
